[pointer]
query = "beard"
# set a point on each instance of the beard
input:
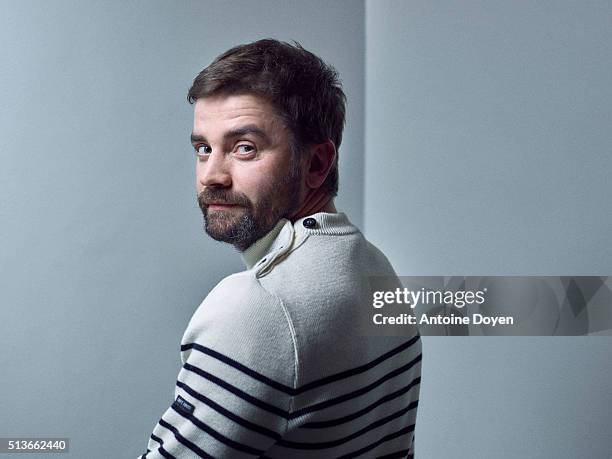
(246, 223)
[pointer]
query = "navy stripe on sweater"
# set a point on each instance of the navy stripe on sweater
(161, 449)
(234, 390)
(306, 387)
(192, 446)
(361, 412)
(354, 435)
(358, 392)
(386, 438)
(217, 436)
(308, 409)
(228, 414)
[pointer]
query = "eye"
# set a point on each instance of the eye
(203, 150)
(245, 148)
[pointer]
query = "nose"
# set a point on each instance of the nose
(214, 172)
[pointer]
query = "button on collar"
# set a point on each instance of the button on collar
(309, 223)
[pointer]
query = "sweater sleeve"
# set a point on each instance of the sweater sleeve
(234, 391)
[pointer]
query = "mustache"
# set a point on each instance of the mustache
(220, 196)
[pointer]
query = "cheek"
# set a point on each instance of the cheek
(199, 170)
(254, 185)
(255, 179)
(261, 179)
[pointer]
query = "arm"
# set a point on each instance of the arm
(233, 393)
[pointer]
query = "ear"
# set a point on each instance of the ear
(320, 161)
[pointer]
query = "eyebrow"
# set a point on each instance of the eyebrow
(233, 133)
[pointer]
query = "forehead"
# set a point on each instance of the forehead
(228, 111)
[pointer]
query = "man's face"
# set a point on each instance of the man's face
(247, 178)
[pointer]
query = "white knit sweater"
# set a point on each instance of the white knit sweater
(275, 363)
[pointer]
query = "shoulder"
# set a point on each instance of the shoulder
(323, 281)
(332, 257)
(244, 322)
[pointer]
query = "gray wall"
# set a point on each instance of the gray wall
(102, 256)
(488, 152)
(488, 148)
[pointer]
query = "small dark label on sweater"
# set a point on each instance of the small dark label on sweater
(183, 405)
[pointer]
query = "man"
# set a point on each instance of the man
(274, 363)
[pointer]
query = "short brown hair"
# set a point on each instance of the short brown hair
(305, 90)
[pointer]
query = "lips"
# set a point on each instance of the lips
(221, 205)
(214, 200)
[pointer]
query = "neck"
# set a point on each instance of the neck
(315, 201)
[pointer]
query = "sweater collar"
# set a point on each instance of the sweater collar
(284, 234)
(325, 223)
(262, 246)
